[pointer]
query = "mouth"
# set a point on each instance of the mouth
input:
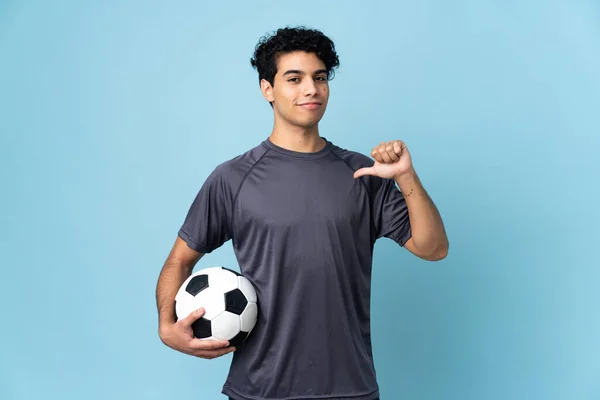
(310, 105)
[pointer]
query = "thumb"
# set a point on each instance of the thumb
(194, 315)
(363, 172)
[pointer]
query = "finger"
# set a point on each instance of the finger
(384, 154)
(377, 152)
(364, 171)
(214, 353)
(199, 344)
(398, 147)
(389, 149)
(376, 156)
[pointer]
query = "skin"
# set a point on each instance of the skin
(299, 95)
(179, 335)
(393, 161)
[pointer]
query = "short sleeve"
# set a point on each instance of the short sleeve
(207, 224)
(390, 213)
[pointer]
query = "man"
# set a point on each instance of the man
(303, 215)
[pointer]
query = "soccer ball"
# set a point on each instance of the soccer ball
(229, 300)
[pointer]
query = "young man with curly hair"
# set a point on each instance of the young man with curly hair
(303, 215)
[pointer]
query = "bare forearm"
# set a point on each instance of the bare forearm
(428, 233)
(171, 277)
(179, 335)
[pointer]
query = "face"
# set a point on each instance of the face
(300, 91)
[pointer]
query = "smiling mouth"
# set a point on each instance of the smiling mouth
(310, 106)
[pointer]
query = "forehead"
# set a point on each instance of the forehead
(299, 60)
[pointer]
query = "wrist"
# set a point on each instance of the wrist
(406, 178)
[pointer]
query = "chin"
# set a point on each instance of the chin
(308, 123)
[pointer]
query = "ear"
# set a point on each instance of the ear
(267, 90)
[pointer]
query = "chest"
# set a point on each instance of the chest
(278, 200)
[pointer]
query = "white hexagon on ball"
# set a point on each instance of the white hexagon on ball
(211, 299)
(223, 280)
(226, 326)
(249, 317)
(247, 288)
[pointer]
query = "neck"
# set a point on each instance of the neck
(294, 138)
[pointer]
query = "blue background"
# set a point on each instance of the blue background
(113, 113)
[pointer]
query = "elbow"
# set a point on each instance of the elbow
(433, 250)
(440, 252)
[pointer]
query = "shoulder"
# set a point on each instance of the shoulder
(231, 172)
(354, 159)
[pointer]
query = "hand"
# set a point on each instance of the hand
(180, 336)
(392, 160)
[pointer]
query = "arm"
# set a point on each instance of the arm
(177, 268)
(429, 240)
(428, 236)
(206, 227)
(179, 335)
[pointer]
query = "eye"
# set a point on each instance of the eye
(294, 80)
(321, 78)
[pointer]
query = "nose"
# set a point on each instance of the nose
(310, 87)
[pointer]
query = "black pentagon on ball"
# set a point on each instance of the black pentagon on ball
(201, 328)
(197, 284)
(235, 301)
(238, 339)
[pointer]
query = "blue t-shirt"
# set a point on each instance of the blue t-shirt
(303, 230)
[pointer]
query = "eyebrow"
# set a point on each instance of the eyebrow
(298, 72)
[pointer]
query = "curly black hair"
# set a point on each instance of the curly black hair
(289, 39)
